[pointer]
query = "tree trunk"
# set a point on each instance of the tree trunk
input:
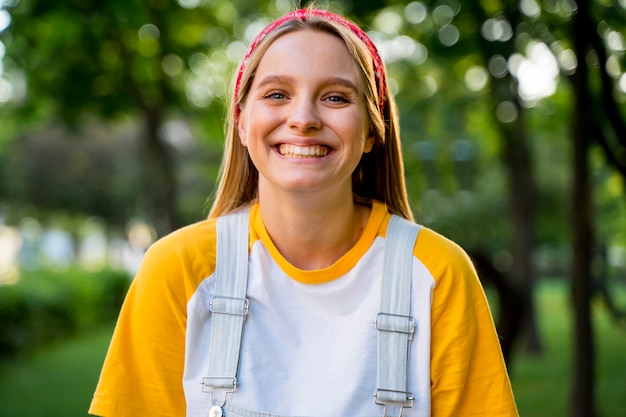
(161, 179)
(582, 394)
(583, 388)
(522, 202)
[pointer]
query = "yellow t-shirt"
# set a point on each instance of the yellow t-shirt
(309, 342)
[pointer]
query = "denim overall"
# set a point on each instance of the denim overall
(229, 308)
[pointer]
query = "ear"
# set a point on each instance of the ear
(369, 143)
(241, 130)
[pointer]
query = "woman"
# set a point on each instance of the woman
(313, 158)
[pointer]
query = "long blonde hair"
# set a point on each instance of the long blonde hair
(380, 173)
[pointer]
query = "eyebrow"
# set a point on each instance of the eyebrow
(286, 79)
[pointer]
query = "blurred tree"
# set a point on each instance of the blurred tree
(101, 171)
(517, 155)
(593, 89)
(120, 59)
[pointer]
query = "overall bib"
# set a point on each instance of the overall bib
(229, 308)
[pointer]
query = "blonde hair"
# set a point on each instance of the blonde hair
(380, 173)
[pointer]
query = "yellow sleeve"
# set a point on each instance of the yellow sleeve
(143, 370)
(468, 373)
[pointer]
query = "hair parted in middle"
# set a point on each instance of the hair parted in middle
(380, 173)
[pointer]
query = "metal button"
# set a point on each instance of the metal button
(216, 411)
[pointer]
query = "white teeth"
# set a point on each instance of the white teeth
(294, 151)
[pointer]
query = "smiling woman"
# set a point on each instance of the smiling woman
(262, 309)
(305, 100)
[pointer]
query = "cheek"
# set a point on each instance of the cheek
(257, 124)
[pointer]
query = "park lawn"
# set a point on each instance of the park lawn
(56, 381)
(59, 379)
(542, 383)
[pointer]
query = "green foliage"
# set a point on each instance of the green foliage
(47, 305)
(119, 60)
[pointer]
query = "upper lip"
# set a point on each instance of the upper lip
(302, 142)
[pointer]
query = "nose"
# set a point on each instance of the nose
(304, 115)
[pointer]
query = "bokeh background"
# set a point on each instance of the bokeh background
(513, 118)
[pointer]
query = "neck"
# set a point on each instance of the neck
(313, 232)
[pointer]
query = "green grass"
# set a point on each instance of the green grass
(56, 381)
(542, 383)
(59, 380)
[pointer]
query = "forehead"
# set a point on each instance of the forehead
(309, 53)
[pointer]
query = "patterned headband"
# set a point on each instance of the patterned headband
(302, 14)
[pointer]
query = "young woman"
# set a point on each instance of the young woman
(313, 166)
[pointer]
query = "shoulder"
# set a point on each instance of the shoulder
(437, 253)
(436, 249)
(194, 238)
(447, 262)
(187, 253)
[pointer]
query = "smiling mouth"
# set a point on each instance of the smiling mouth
(294, 151)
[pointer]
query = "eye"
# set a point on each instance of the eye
(337, 98)
(275, 95)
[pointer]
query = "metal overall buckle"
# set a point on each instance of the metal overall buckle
(216, 409)
(230, 305)
(408, 403)
(395, 323)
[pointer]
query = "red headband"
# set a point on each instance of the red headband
(379, 69)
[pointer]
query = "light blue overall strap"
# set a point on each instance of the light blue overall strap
(394, 322)
(229, 305)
